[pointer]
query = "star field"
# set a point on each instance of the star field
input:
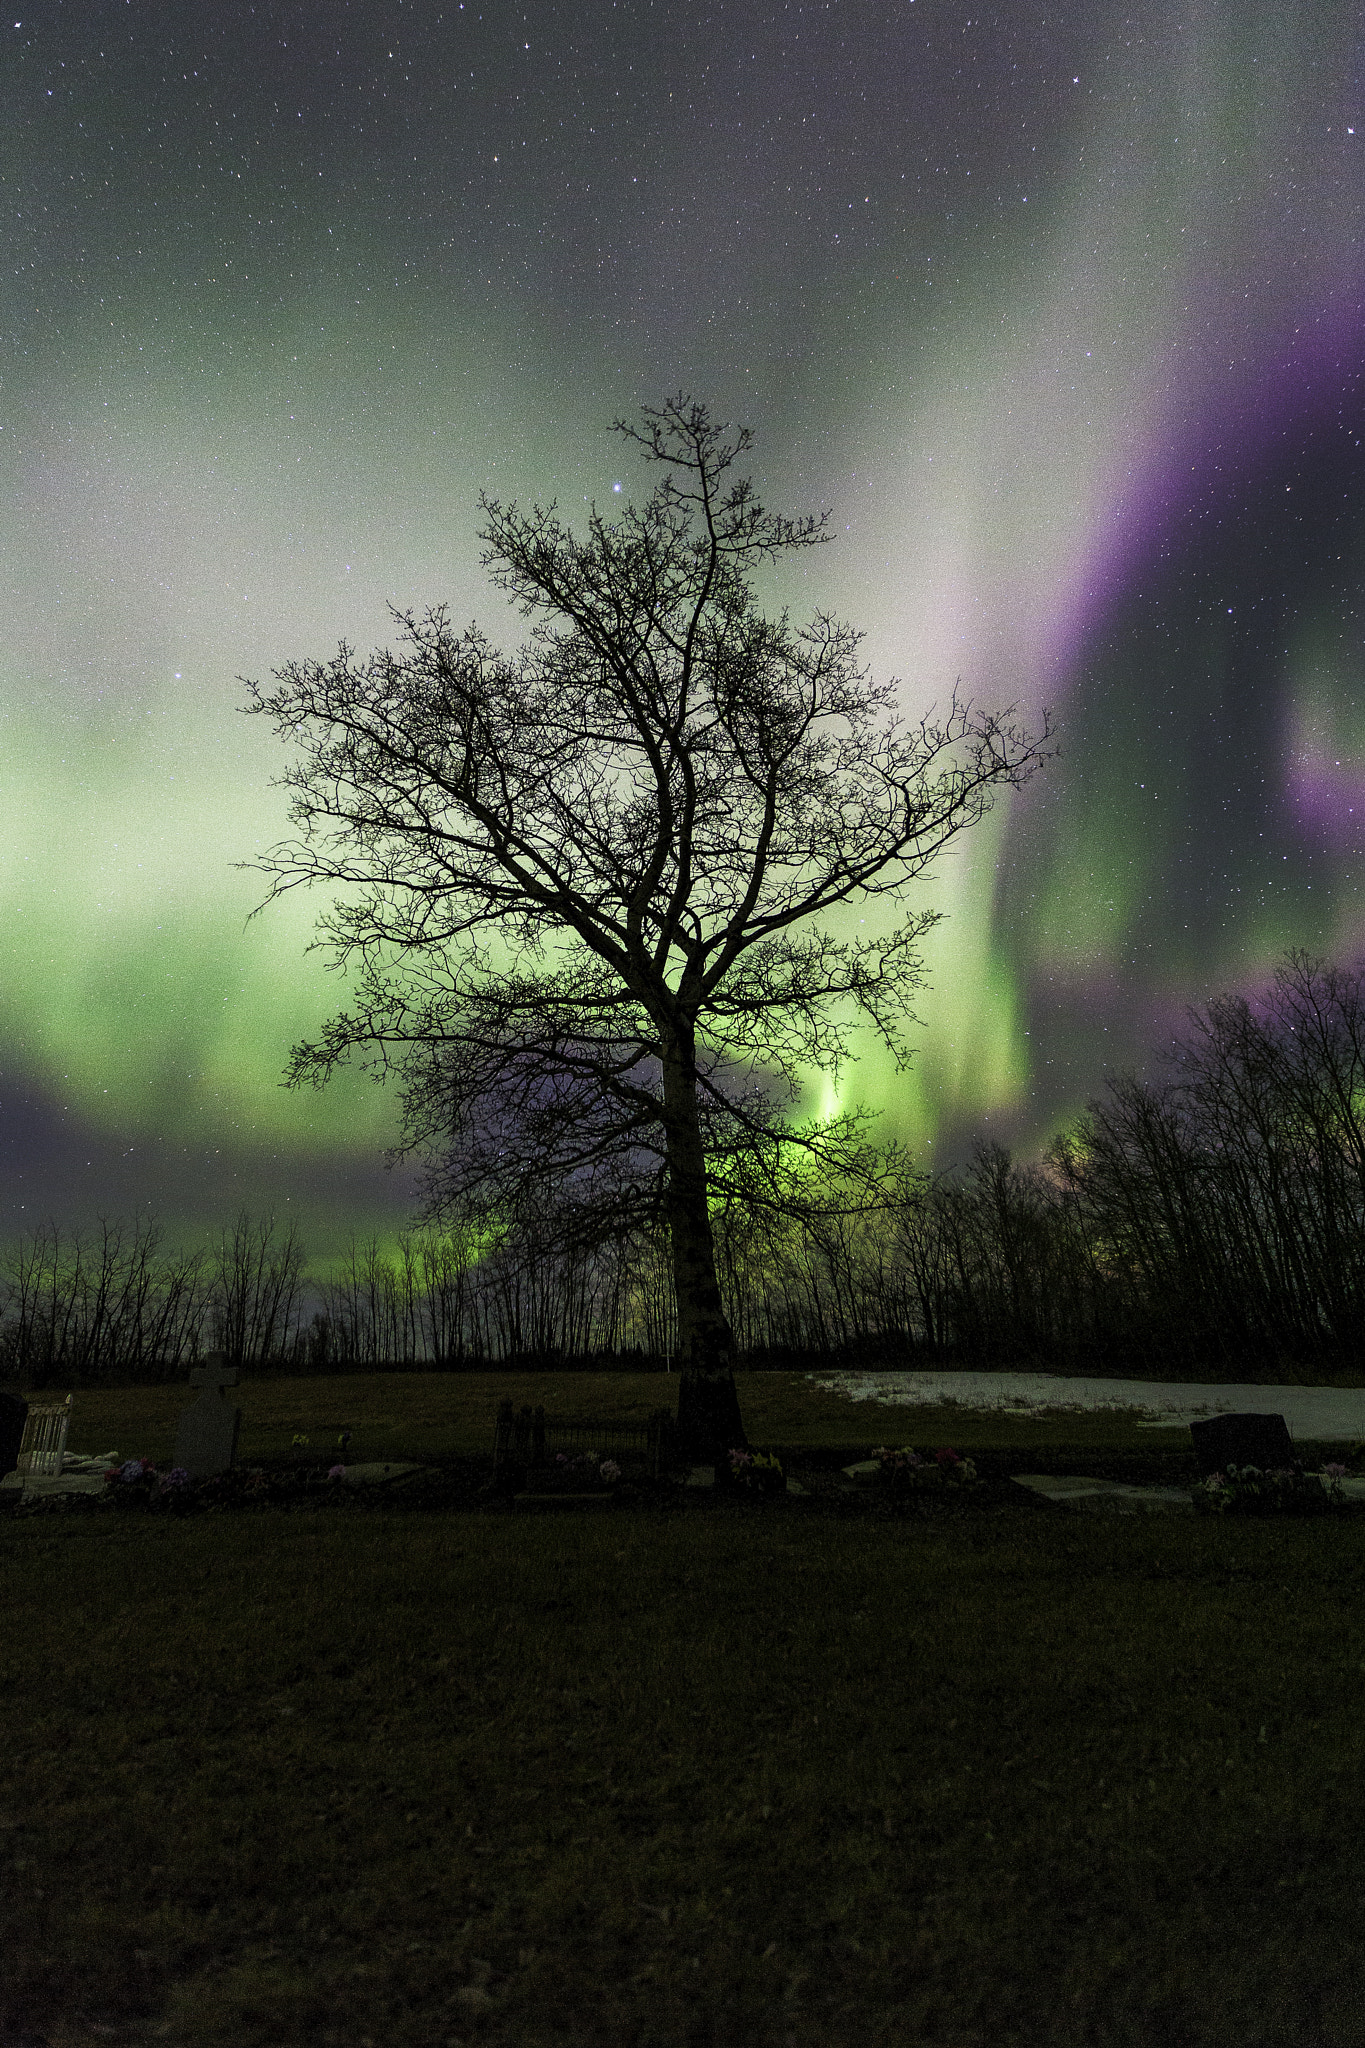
(1061, 313)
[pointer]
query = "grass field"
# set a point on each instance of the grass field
(753, 1774)
(402, 1415)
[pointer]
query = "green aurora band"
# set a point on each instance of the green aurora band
(1083, 391)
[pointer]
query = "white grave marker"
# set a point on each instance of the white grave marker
(206, 1441)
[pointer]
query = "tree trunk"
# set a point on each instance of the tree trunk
(709, 1424)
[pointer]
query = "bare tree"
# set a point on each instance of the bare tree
(258, 1273)
(99, 1310)
(584, 884)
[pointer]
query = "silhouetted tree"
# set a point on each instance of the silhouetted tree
(1226, 1205)
(258, 1272)
(585, 883)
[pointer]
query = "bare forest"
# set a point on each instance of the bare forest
(1210, 1222)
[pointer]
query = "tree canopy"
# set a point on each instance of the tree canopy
(587, 885)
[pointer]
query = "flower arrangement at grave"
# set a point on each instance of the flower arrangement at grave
(1248, 1490)
(905, 1471)
(137, 1483)
(758, 1472)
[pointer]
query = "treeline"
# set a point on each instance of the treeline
(112, 1307)
(1212, 1222)
(1223, 1213)
(1208, 1223)
(438, 1301)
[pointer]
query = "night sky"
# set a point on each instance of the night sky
(1061, 314)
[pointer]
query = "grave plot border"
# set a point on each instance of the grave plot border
(525, 1442)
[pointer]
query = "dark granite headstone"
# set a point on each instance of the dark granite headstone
(13, 1416)
(206, 1441)
(1224, 1440)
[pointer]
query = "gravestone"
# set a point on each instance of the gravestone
(206, 1441)
(1223, 1440)
(13, 1416)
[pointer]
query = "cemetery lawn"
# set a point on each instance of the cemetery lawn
(416, 1415)
(739, 1773)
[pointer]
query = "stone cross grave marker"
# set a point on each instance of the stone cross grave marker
(13, 1415)
(206, 1441)
(1224, 1440)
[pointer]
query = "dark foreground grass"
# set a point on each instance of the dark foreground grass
(746, 1775)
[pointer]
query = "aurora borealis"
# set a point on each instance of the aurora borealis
(1063, 316)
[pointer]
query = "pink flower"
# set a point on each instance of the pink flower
(1334, 1471)
(946, 1457)
(337, 1472)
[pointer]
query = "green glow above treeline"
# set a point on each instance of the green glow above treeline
(224, 450)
